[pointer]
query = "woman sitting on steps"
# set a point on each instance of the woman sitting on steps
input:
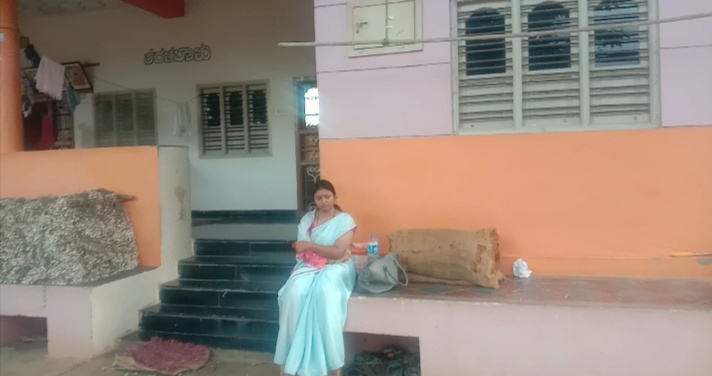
(313, 302)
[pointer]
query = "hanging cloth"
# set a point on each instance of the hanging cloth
(71, 98)
(47, 139)
(32, 55)
(182, 120)
(26, 107)
(27, 96)
(50, 78)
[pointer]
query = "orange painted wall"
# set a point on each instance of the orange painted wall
(594, 203)
(131, 171)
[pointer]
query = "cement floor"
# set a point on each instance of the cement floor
(30, 359)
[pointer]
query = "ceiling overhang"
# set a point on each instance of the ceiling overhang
(161, 8)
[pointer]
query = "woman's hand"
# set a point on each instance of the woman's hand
(337, 251)
(346, 257)
(300, 247)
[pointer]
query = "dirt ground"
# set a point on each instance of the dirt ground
(30, 359)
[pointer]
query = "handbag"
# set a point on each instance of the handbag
(381, 275)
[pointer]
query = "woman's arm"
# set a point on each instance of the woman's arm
(303, 228)
(334, 252)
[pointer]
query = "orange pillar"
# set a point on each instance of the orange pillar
(11, 138)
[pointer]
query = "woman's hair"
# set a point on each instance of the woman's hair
(325, 184)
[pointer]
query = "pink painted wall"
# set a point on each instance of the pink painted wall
(467, 338)
(399, 95)
(409, 94)
(379, 103)
(686, 76)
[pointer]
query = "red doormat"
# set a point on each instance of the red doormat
(165, 357)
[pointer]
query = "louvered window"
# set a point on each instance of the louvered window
(620, 64)
(125, 119)
(558, 81)
(234, 120)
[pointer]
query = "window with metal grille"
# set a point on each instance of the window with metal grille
(557, 81)
(125, 118)
(234, 120)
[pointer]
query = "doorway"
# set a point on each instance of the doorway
(49, 124)
(307, 124)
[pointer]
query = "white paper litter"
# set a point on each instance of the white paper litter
(521, 269)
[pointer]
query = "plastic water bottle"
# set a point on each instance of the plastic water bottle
(372, 248)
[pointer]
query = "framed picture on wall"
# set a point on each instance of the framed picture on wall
(77, 77)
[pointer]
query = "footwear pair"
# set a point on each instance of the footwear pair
(392, 362)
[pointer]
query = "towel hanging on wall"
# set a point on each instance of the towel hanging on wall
(181, 126)
(50, 78)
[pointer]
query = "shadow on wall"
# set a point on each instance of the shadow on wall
(15, 328)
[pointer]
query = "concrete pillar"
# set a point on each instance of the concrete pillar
(11, 138)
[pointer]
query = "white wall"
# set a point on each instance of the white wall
(243, 36)
(176, 244)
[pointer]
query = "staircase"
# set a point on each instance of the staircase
(226, 296)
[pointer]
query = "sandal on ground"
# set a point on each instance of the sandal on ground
(367, 364)
(353, 371)
(395, 368)
(371, 370)
(368, 358)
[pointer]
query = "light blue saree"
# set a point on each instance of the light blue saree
(313, 304)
